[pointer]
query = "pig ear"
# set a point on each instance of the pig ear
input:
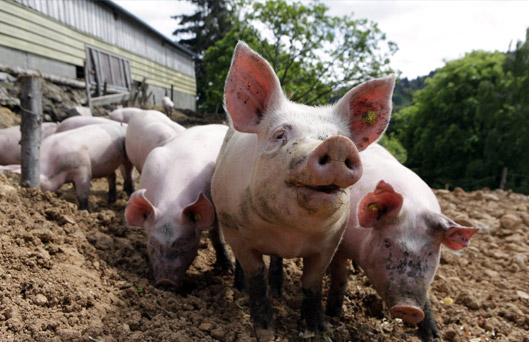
(138, 209)
(201, 213)
(455, 236)
(251, 88)
(379, 206)
(367, 108)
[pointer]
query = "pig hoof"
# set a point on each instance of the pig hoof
(264, 335)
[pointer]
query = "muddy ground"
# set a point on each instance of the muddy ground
(69, 275)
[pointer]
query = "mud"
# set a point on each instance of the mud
(69, 275)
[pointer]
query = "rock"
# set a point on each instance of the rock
(205, 326)
(6, 190)
(7, 118)
(40, 300)
(458, 191)
(519, 259)
(469, 301)
(509, 221)
(525, 218)
(79, 110)
(490, 197)
(522, 294)
(100, 240)
(5, 77)
(491, 274)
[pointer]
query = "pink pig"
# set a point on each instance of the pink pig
(173, 203)
(78, 121)
(10, 150)
(394, 234)
(83, 153)
(167, 105)
(124, 114)
(281, 185)
(146, 131)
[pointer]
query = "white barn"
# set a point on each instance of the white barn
(58, 37)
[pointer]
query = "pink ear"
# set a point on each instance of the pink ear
(138, 209)
(251, 87)
(201, 212)
(458, 237)
(368, 110)
(379, 206)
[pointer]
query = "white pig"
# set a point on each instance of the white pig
(10, 150)
(84, 153)
(173, 203)
(78, 121)
(281, 185)
(167, 105)
(394, 234)
(124, 114)
(146, 131)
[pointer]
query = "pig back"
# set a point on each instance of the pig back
(181, 169)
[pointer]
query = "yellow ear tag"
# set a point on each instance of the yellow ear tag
(373, 207)
(197, 217)
(369, 117)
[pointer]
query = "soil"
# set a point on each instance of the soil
(70, 275)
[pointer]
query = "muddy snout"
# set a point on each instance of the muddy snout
(408, 313)
(335, 162)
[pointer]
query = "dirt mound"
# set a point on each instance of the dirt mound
(69, 275)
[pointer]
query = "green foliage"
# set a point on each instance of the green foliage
(393, 145)
(467, 124)
(211, 21)
(317, 57)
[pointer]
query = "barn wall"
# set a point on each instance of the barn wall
(63, 38)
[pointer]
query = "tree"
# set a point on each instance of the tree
(516, 116)
(317, 57)
(210, 23)
(454, 132)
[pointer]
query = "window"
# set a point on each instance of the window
(107, 70)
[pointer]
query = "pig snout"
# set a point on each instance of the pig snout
(334, 164)
(167, 276)
(166, 284)
(407, 312)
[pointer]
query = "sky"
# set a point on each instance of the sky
(428, 33)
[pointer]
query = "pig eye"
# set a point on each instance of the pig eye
(387, 243)
(281, 135)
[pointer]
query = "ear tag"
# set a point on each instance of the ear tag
(369, 117)
(197, 217)
(373, 207)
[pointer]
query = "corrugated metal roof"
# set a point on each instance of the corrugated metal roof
(132, 16)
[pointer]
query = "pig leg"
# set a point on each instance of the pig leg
(81, 179)
(112, 196)
(223, 258)
(427, 327)
(127, 169)
(275, 276)
(311, 311)
(239, 282)
(254, 267)
(336, 295)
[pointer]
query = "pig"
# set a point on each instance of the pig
(146, 131)
(174, 205)
(10, 152)
(78, 121)
(394, 234)
(281, 184)
(124, 114)
(167, 105)
(84, 153)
